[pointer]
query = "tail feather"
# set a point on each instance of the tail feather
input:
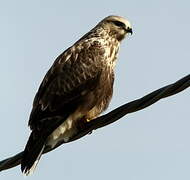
(29, 169)
(32, 153)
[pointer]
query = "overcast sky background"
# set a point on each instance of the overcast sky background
(152, 144)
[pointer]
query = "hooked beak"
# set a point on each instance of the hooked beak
(129, 30)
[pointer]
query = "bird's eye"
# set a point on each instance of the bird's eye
(118, 23)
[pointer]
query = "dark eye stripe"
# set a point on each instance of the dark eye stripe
(118, 23)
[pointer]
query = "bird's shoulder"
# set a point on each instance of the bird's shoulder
(82, 61)
(74, 72)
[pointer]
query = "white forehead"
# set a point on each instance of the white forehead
(118, 18)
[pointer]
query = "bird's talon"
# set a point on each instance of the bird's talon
(87, 120)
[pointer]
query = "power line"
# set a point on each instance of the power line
(113, 116)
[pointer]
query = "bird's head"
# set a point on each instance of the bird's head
(117, 27)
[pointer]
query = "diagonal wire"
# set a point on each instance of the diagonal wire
(113, 116)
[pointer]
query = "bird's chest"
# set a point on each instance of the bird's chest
(111, 53)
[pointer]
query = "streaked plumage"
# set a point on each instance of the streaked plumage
(78, 87)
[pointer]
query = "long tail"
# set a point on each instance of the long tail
(11, 162)
(27, 158)
(17, 159)
(32, 153)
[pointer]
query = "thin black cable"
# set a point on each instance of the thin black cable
(113, 116)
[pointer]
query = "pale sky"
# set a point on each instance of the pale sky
(152, 144)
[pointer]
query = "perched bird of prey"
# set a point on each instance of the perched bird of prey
(77, 88)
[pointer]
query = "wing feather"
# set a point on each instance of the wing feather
(74, 73)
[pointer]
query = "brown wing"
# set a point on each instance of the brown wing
(74, 74)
